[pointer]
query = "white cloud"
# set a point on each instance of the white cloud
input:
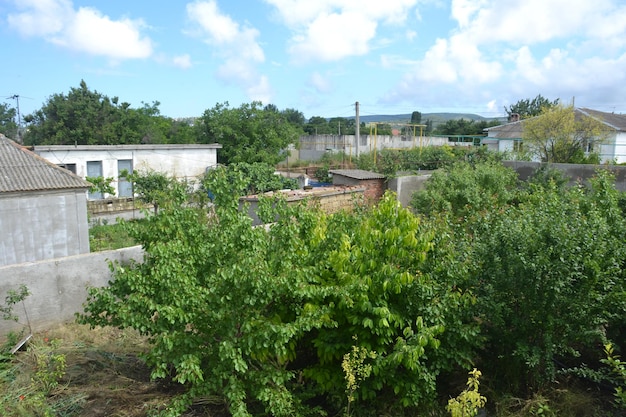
(84, 30)
(236, 44)
(504, 50)
(182, 61)
(330, 30)
(531, 21)
(320, 83)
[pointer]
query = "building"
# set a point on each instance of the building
(508, 137)
(43, 208)
(373, 183)
(187, 161)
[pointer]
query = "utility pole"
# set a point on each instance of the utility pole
(358, 128)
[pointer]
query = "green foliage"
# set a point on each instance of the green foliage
(13, 297)
(464, 127)
(248, 133)
(257, 315)
(356, 370)
(559, 135)
(470, 401)
(548, 279)
(8, 125)
(101, 185)
(158, 188)
(464, 189)
(619, 368)
(247, 179)
(87, 117)
(108, 237)
(23, 396)
(529, 108)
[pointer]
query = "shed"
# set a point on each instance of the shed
(43, 208)
(373, 182)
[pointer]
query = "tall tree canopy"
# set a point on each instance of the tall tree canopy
(560, 134)
(530, 107)
(87, 117)
(464, 127)
(249, 133)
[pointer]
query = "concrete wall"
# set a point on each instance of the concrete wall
(404, 186)
(313, 147)
(574, 172)
(42, 225)
(58, 286)
(181, 161)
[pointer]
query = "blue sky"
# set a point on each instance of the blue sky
(317, 56)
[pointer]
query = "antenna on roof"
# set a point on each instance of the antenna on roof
(16, 97)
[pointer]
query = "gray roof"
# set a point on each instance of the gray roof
(22, 170)
(614, 121)
(357, 174)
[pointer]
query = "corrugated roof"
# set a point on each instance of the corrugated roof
(357, 174)
(22, 170)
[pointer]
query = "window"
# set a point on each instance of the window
(94, 169)
(69, 167)
(124, 187)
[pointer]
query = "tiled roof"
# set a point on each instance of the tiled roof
(22, 170)
(357, 174)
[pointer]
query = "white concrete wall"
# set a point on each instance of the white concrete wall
(181, 161)
(42, 225)
(614, 149)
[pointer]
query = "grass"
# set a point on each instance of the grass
(109, 237)
(74, 371)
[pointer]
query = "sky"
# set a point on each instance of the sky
(317, 56)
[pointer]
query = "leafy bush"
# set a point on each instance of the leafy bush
(549, 279)
(464, 189)
(264, 318)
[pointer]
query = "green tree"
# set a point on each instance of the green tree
(248, 133)
(264, 318)
(87, 117)
(416, 118)
(464, 127)
(246, 179)
(317, 125)
(560, 134)
(526, 108)
(158, 188)
(8, 126)
(295, 117)
(465, 190)
(549, 280)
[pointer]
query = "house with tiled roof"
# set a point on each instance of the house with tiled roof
(43, 208)
(508, 137)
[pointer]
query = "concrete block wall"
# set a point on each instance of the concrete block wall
(58, 286)
(111, 205)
